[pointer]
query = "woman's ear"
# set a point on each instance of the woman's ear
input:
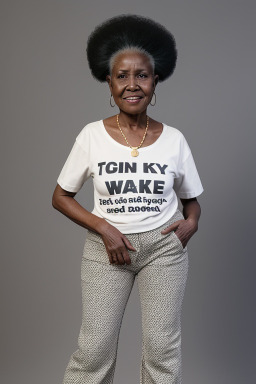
(108, 78)
(156, 79)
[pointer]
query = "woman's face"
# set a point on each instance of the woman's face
(132, 82)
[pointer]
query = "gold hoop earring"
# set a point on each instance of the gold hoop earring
(155, 99)
(110, 101)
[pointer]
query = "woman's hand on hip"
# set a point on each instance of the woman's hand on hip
(117, 244)
(184, 229)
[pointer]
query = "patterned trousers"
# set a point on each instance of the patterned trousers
(160, 264)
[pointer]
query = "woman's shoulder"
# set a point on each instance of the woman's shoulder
(89, 129)
(92, 125)
(173, 135)
(177, 140)
(171, 130)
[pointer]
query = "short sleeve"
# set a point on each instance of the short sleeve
(76, 169)
(187, 183)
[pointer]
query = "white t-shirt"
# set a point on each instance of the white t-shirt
(134, 194)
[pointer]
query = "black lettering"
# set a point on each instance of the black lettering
(162, 168)
(113, 169)
(101, 165)
(143, 186)
(148, 168)
(130, 187)
(114, 187)
(116, 210)
(121, 167)
(130, 167)
(158, 186)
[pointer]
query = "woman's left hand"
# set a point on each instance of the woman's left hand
(184, 229)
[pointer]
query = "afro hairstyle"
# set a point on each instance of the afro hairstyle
(131, 31)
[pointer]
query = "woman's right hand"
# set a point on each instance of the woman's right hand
(116, 244)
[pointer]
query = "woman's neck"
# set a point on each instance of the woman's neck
(133, 122)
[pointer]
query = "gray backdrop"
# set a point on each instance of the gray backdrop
(48, 96)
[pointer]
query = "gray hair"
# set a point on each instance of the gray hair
(130, 48)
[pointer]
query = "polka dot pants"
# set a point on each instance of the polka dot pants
(160, 264)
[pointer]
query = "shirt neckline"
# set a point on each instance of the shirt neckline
(110, 138)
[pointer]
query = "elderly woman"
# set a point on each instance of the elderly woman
(140, 167)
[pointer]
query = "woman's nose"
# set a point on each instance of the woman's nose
(132, 83)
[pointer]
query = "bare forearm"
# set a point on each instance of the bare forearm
(191, 210)
(116, 243)
(69, 207)
(188, 226)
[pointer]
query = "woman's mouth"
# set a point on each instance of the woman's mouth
(133, 99)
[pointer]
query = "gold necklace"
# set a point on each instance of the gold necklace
(135, 151)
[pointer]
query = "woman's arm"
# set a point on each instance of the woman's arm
(115, 242)
(65, 203)
(186, 228)
(191, 210)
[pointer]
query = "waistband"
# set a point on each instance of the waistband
(176, 216)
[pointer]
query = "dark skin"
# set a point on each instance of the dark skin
(132, 75)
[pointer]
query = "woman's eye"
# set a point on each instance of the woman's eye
(121, 76)
(142, 75)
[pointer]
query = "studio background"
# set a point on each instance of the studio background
(48, 96)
